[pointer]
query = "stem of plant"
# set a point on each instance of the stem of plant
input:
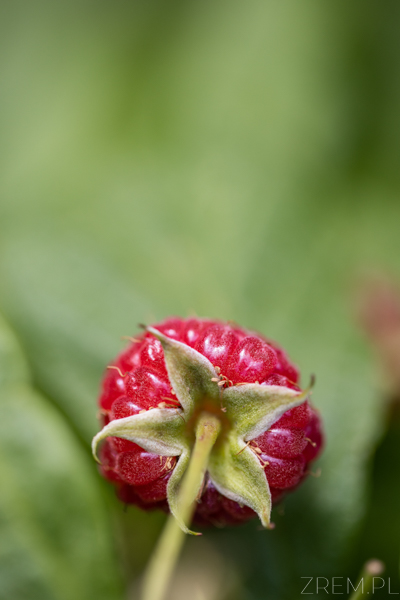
(162, 563)
(372, 568)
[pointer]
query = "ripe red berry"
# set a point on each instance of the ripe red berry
(138, 382)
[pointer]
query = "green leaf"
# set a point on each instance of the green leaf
(56, 540)
(13, 367)
(83, 329)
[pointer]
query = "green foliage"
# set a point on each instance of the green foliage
(233, 159)
(55, 530)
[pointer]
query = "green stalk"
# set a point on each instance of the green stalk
(371, 569)
(162, 563)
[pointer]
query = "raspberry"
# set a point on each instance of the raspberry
(245, 365)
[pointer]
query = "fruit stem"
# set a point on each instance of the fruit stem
(371, 569)
(159, 571)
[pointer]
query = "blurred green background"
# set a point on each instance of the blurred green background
(238, 160)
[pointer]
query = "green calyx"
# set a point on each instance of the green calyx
(233, 416)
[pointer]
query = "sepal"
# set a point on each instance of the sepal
(253, 408)
(191, 374)
(173, 489)
(158, 430)
(237, 473)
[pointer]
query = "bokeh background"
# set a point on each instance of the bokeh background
(237, 160)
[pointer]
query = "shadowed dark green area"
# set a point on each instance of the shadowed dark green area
(236, 160)
(381, 536)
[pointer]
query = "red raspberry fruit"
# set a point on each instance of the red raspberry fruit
(143, 386)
